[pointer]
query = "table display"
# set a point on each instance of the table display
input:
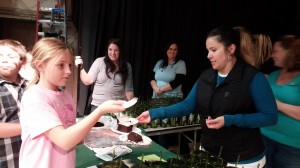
(152, 156)
(101, 141)
(108, 137)
(85, 157)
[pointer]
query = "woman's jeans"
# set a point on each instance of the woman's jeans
(280, 155)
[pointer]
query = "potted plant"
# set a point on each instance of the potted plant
(164, 122)
(176, 162)
(157, 164)
(113, 164)
(139, 166)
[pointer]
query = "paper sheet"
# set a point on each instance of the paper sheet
(108, 153)
(151, 157)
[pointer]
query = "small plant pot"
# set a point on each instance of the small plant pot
(176, 163)
(217, 162)
(191, 119)
(204, 165)
(154, 123)
(182, 121)
(201, 155)
(173, 122)
(144, 125)
(164, 122)
(113, 164)
(157, 164)
(197, 119)
(139, 166)
(189, 159)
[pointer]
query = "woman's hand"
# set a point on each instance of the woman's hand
(158, 91)
(216, 123)
(144, 117)
(155, 88)
(78, 62)
(129, 95)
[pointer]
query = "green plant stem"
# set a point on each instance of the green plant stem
(237, 161)
(120, 163)
(221, 148)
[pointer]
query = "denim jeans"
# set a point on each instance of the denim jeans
(280, 155)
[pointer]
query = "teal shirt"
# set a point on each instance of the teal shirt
(165, 75)
(287, 130)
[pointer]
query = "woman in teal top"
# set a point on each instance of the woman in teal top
(169, 75)
(283, 140)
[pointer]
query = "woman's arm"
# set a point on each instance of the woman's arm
(155, 88)
(180, 70)
(179, 79)
(153, 83)
(288, 109)
(185, 107)
(263, 98)
(129, 90)
(85, 78)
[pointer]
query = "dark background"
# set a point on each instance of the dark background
(145, 26)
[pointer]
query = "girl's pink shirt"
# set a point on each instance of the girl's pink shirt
(42, 110)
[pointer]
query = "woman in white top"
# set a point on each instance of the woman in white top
(111, 75)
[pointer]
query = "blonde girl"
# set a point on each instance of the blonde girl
(49, 131)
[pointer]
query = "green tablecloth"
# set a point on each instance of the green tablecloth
(86, 157)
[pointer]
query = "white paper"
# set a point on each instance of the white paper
(130, 102)
(107, 153)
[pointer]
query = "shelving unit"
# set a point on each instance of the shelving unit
(51, 20)
(178, 129)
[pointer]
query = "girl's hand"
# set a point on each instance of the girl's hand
(111, 106)
(144, 117)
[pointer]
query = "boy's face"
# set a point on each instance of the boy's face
(10, 62)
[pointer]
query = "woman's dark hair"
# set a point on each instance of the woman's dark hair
(292, 61)
(227, 36)
(111, 67)
(164, 63)
(286, 41)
